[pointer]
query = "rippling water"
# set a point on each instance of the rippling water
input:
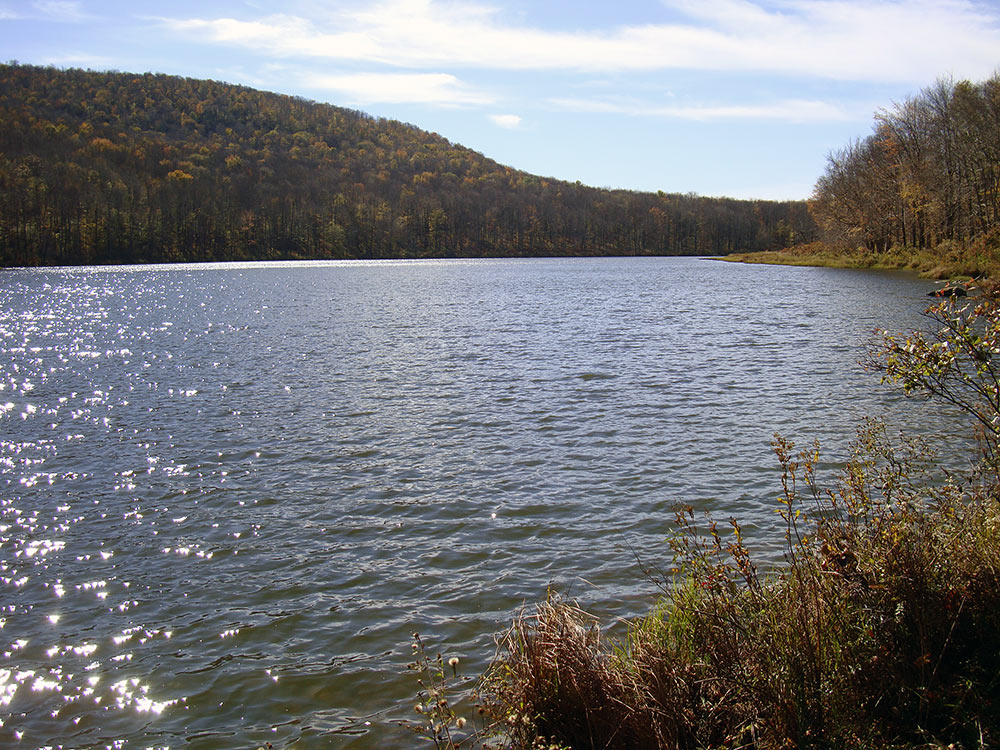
(230, 493)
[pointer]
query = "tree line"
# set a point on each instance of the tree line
(120, 168)
(928, 174)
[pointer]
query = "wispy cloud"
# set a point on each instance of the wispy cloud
(509, 122)
(45, 10)
(425, 88)
(61, 10)
(80, 60)
(791, 110)
(887, 40)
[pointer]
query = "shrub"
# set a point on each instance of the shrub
(882, 628)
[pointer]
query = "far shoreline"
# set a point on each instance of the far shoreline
(958, 264)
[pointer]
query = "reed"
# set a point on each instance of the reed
(881, 629)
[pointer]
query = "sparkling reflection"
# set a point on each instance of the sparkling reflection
(228, 493)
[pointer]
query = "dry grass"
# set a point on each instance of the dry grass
(882, 629)
(949, 260)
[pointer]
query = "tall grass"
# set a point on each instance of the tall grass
(975, 258)
(881, 628)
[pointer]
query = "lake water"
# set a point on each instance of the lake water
(230, 493)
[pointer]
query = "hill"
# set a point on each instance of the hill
(124, 168)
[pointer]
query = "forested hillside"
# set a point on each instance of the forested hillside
(928, 176)
(122, 168)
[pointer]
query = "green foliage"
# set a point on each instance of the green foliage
(116, 167)
(956, 360)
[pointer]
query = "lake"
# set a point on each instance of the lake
(231, 492)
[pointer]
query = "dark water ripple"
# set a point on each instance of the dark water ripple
(229, 494)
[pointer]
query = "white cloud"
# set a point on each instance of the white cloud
(425, 88)
(80, 60)
(885, 40)
(60, 10)
(790, 110)
(47, 10)
(510, 122)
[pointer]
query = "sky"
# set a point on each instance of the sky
(739, 98)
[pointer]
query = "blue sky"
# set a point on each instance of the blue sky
(743, 98)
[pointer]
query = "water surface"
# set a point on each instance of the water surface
(230, 493)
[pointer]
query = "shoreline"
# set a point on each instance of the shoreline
(942, 264)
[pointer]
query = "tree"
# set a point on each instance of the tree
(928, 175)
(958, 360)
(117, 167)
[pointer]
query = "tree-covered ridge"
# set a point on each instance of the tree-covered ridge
(121, 168)
(928, 176)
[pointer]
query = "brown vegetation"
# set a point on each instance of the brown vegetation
(929, 173)
(977, 258)
(124, 168)
(880, 632)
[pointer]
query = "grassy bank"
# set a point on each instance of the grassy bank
(946, 261)
(880, 629)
